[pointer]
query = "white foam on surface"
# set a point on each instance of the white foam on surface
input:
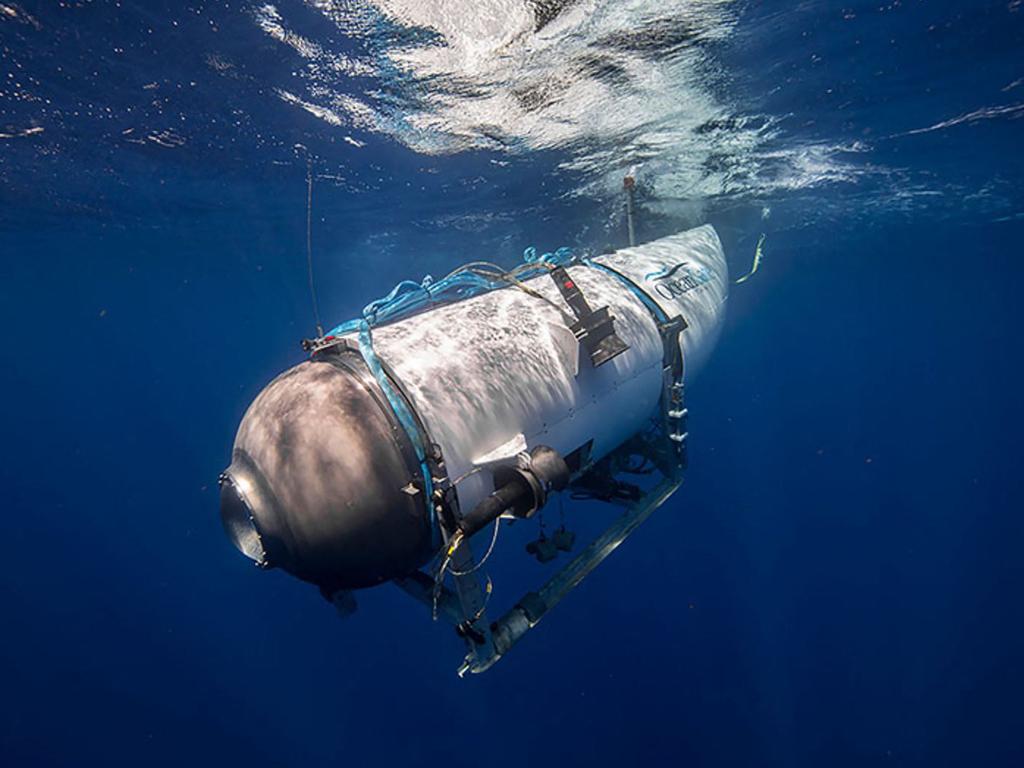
(612, 86)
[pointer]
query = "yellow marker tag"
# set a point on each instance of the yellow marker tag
(454, 543)
(758, 255)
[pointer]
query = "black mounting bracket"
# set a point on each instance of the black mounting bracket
(595, 329)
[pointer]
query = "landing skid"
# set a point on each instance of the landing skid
(488, 642)
(533, 606)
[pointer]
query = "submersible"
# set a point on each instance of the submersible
(451, 405)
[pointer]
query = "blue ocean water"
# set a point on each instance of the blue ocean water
(837, 583)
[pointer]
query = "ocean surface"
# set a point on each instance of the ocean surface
(839, 581)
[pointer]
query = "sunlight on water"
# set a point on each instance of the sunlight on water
(711, 104)
(615, 86)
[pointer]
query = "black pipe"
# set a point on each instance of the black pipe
(490, 509)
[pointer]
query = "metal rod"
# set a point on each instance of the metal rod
(526, 614)
(629, 184)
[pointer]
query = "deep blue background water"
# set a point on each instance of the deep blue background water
(839, 581)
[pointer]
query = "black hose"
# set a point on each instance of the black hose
(491, 508)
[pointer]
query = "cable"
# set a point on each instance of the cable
(512, 279)
(453, 544)
(309, 245)
(487, 554)
(488, 590)
(466, 475)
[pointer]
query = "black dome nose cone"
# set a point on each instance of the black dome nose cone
(323, 480)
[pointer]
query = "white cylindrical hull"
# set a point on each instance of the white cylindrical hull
(501, 372)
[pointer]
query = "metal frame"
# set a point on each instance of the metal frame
(465, 607)
(533, 606)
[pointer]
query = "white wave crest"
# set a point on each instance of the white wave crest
(612, 85)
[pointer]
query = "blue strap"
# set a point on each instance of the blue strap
(405, 418)
(651, 304)
(662, 319)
